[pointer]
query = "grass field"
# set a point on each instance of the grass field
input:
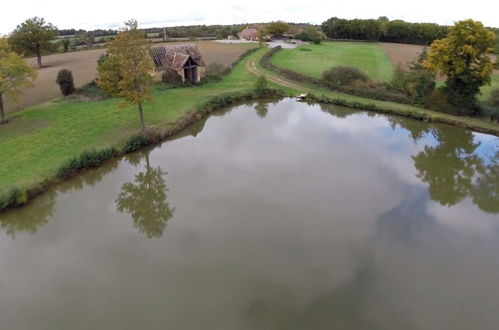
(83, 64)
(39, 139)
(369, 57)
(377, 60)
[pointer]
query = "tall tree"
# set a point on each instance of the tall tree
(463, 57)
(33, 37)
(127, 70)
(14, 74)
(277, 29)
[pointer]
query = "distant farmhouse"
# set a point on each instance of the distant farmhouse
(250, 34)
(185, 60)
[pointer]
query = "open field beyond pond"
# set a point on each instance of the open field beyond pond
(312, 60)
(83, 64)
(378, 60)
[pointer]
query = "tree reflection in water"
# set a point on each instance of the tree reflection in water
(145, 199)
(31, 217)
(261, 109)
(454, 170)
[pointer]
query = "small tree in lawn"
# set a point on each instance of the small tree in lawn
(127, 70)
(65, 44)
(66, 82)
(261, 86)
(15, 73)
(33, 37)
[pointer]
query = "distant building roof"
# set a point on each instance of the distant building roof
(249, 33)
(175, 56)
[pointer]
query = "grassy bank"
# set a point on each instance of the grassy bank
(38, 140)
(312, 60)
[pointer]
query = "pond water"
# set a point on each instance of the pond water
(267, 216)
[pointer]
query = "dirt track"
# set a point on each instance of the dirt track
(83, 64)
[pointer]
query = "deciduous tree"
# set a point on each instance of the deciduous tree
(14, 74)
(127, 71)
(32, 37)
(277, 29)
(463, 57)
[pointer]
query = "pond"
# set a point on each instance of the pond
(276, 215)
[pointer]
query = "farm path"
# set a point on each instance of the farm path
(251, 66)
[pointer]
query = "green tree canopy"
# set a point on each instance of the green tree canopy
(277, 29)
(32, 37)
(127, 71)
(463, 57)
(14, 74)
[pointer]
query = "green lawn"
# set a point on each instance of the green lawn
(369, 57)
(39, 139)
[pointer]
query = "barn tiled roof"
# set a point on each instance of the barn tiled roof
(249, 33)
(175, 56)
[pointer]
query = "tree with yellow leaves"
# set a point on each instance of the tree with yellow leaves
(127, 71)
(15, 73)
(463, 57)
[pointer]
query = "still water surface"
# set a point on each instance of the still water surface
(267, 216)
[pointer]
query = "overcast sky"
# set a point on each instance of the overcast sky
(92, 14)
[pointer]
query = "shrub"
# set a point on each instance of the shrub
(492, 113)
(343, 76)
(215, 72)
(102, 59)
(309, 34)
(377, 91)
(437, 100)
(494, 98)
(87, 159)
(304, 49)
(171, 77)
(261, 86)
(65, 44)
(135, 143)
(65, 81)
(416, 84)
(217, 102)
(91, 91)
(14, 198)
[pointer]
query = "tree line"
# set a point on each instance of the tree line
(382, 29)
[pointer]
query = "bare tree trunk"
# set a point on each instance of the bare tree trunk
(39, 56)
(142, 117)
(39, 60)
(2, 114)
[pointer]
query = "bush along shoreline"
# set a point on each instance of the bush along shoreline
(17, 196)
(434, 118)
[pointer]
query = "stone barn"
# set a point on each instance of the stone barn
(184, 60)
(249, 33)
